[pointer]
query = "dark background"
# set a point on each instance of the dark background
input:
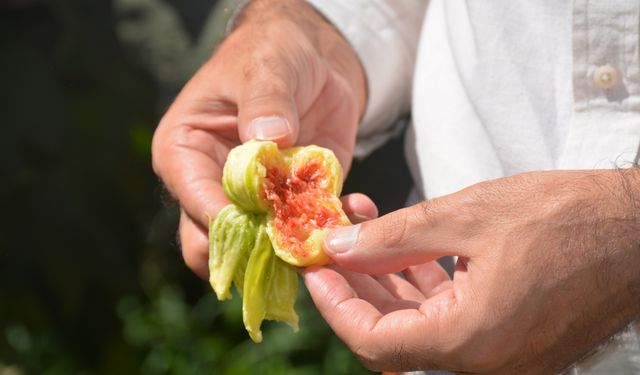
(91, 280)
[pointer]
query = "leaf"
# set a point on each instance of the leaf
(282, 298)
(231, 237)
(257, 283)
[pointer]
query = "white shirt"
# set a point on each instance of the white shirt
(498, 87)
(501, 87)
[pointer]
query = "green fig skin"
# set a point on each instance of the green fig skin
(241, 252)
(231, 237)
(243, 174)
(258, 280)
(284, 202)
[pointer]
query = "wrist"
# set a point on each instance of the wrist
(327, 41)
(623, 208)
(629, 190)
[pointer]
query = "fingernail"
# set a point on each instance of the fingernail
(269, 128)
(342, 239)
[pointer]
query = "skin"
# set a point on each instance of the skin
(548, 269)
(548, 263)
(283, 60)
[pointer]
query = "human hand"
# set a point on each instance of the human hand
(548, 268)
(284, 74)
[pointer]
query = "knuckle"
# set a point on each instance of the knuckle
(257, 66)
(268, 90)
(394, 229)
(429, 214)
(427, 211)
(262, 65)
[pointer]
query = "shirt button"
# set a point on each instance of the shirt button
(605, 77)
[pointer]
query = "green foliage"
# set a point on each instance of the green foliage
(175, 337)
(140, 138)
(37, 352)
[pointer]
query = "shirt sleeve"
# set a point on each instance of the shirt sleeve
(384, 34)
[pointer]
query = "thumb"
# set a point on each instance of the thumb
(267, 111)
(393, 242)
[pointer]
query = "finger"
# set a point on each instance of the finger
(359, 207)
(199, 191)
(194, 242)
(400, 288)
(334, 296)
(446, 285)
(370, 290)
(187, 159)
(426, 276)
(403, 339)
(267, 108)
(403, 238)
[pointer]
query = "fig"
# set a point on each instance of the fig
(269, 290)
(283, 204)
(297, 188)
(232, 236)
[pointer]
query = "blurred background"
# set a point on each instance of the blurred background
(91, 278)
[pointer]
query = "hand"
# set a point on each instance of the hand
(284, 74)
(548, 268)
